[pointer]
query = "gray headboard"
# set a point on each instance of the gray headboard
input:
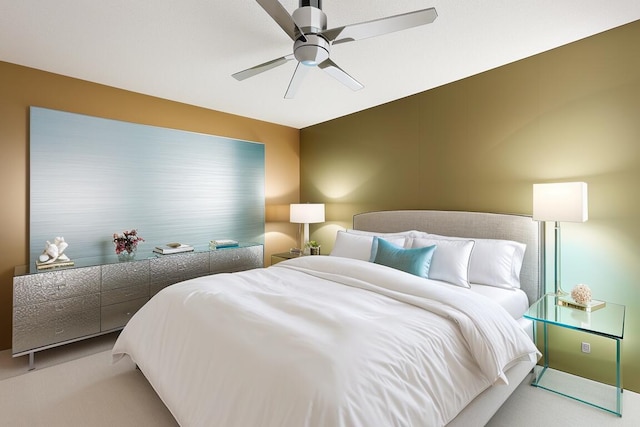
(478, 225)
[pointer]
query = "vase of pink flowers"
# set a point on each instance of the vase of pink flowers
(126, 244)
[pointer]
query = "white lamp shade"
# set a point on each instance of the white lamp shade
(560, 202)
(306, 213)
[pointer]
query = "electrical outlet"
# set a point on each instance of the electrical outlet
(586, 347)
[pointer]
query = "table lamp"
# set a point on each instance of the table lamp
(306, 213)
(560, 202)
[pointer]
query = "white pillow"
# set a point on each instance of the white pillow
(350, 245)
(497, 263)
(385, 236)
(494, 262)
(450, 261)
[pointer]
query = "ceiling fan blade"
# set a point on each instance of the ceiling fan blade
(250, 72)
(276, 10)
(339, 74)
(378, 27)
(296, 80)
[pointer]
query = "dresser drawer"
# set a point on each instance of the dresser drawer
(237, 259)
(55, 311)
(117, 315)
(55, 285)
(129, 293)
(125, 274)
(169, 269)
(28, 336)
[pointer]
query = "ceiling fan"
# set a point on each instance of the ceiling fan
(312, 41)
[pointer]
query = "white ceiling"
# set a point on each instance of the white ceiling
(186, 50)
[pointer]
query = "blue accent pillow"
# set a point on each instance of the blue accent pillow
(415, 261)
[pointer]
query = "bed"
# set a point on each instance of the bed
(365, 336)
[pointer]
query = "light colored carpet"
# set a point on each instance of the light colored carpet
(91, 391)
(534, 407)
(13, 366)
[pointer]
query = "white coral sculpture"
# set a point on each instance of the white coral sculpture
(581, 294)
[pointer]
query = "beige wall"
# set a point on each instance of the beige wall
(21, 87)
(480, 143)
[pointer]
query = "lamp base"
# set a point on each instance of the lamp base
(560, 293)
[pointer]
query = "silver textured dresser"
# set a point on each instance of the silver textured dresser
(56, 307)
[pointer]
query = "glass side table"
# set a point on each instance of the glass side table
(607, 322)
(276, 258)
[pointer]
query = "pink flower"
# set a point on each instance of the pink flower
(127, 242)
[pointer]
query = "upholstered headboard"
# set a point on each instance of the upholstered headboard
(478, 225)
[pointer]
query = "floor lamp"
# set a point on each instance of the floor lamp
(560, 202)
(305, 213)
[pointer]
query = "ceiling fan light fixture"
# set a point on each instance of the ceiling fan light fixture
(312, 52)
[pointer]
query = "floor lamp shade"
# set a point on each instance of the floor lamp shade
(560, 202)
(306, 213)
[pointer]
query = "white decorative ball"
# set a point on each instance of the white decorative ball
(581, 294)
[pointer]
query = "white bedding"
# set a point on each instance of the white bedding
(320, 341)
(513, 300)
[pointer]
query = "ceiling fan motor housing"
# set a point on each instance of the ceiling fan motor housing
(310, 19)
(315, 49)
(312, 52)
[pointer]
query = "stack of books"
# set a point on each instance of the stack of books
(54, 264)
(173, 248)
(222, 243)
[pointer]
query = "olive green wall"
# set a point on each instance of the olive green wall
(479, 144)
(21, 87)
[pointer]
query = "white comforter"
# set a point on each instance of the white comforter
(320, 341)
